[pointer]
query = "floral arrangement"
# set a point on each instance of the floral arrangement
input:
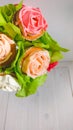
(27, 51)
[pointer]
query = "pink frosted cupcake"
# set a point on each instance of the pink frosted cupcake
(7, 50)
(31, 22)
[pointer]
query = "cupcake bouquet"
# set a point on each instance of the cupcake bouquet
(27, 51)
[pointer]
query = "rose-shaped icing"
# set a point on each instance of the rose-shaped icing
(35, 62)
(8, 83)
(7, 50)
(31, 22)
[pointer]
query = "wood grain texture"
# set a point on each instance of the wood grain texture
(64, 99)
(51, 108)
(3, 108)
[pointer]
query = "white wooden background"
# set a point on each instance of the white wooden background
(51, 108)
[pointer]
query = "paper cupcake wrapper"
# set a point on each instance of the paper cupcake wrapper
(8, 83)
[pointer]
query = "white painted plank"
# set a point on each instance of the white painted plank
(22, 113)
(3, 108)
(48, 119)
(64, 98)
(58, 80)
(70, 71)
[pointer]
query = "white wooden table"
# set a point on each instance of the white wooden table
(51, 108)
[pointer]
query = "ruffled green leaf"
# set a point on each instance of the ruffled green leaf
(56, 56)
(8, 12)
(19, 6)
(35, 83)
(10, 29)
(2, 19)
(53, 45)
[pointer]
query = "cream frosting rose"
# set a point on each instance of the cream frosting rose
(31, 22)
(7, 50)
(35, 62)
(8, 83)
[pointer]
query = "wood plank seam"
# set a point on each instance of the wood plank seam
(6, 112)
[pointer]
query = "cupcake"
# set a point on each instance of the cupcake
(35, 62)
(31, 22)
(7, 50)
